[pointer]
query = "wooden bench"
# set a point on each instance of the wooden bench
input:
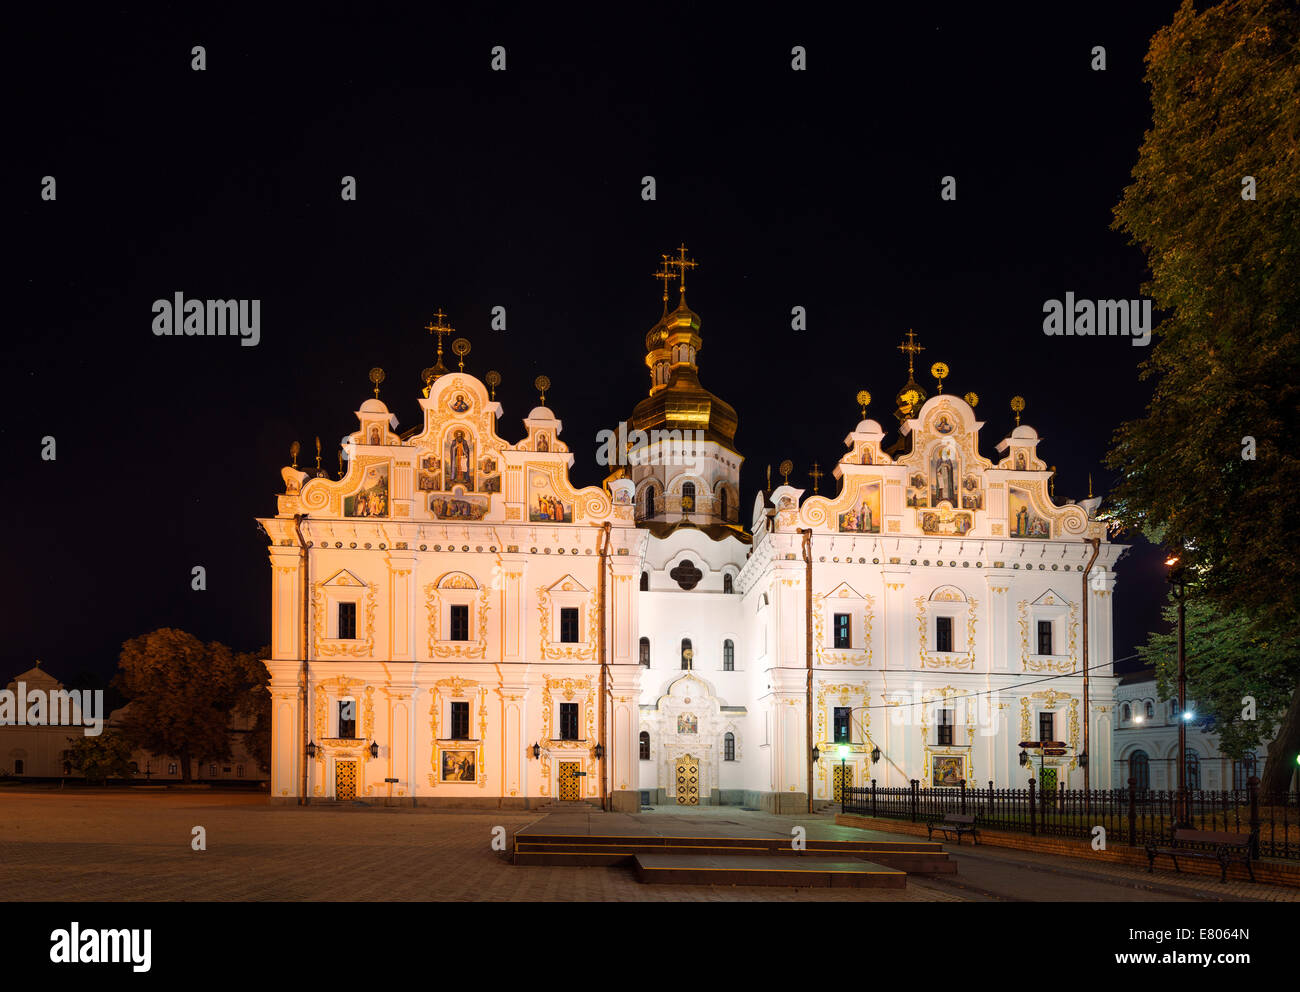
(1227, 847)
(954, 823)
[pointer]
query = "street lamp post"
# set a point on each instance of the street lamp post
(1178, 586)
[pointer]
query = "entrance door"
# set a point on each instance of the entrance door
(688, 781)
(843, 777)
(345, 780)
(570, 783)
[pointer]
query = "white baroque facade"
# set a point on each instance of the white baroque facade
(452, 593)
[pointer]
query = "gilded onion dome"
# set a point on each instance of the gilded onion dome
(677, 400)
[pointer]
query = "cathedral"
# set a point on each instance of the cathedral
(453, 623)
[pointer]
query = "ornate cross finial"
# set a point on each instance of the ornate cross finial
(912, 349)
(666, 275)
(864, 398)
(785, 468)
(293, 452)
(1017, 404)
(320, 472)
(681, 263)
(437, 327)
(816, 475)
(461, 347)
(542, 384)
(940, 371)
(493, 379)
(376, 376)
(1051, 484)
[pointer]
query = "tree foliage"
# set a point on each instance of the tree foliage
(182, 694)
(1227, 660)
(100, 758)
(1225, 271)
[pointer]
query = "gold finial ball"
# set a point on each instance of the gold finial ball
(786, 467)
(293, 451)
(939, 370)
(541, 384)
(1017, 403)
(973, 399)
(864, 397)
(376, 375)
(493, 378)
(460, 346)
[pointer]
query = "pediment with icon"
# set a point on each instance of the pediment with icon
(942, 486)
(455, 469)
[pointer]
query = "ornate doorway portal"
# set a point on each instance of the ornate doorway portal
(345, 780)
(688, 781)
(843, 777)
(570, 782)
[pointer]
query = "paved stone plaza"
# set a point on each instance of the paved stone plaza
(135, 845)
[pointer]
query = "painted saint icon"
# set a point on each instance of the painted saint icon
(459, 461)
(371, 500)
(459, 404)
(944, 472)
(864, 516)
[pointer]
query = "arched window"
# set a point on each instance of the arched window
(687, 653)
(1243, 771)
(18, 766)
(722, 502)
(239, 770)
(645, 581)
(728, 655)
(1128, 713)
(1192, 770)
(645, 652)
(1139, 769)
(1151, 711)
(649, 501)
(729, 747)
(645, 745)
(728, 584)
(688, 497)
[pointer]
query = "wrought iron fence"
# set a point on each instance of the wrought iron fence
(1132, 815)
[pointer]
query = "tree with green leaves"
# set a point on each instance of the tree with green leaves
(1211, 469)
(182, 693)
(100, 758)
(1240, 677)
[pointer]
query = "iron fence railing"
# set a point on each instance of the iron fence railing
(1134, 816)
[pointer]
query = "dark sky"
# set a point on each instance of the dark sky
(522, 189)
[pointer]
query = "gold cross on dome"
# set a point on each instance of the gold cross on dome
(439, 328)
(912, 349)
(681, 264)
(666, 275)
(816, 475)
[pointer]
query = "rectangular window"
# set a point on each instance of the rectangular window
(1047, 726)
(645, 652)
(568, 721)
(569, 624)
(460, 721)
(843, 632)
(728, 656)
(1044, 637)
(945, 727)
(348, 719)
(347, 621)
(842, 727)
(943, 633)
(459, 622)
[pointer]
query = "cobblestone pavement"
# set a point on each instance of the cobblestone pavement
(124, 846)
(118, 845)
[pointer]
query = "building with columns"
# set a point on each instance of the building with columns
(477, 631)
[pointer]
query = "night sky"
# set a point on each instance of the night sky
(523, 189)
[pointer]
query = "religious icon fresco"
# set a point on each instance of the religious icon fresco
(864, 516)
(459, 404)
(1025, 522)
(371, 500)
(458, 765)
(489, 476)
(458, 460)
(429, 476)
(544, 505)
(944, 471)
(944, 425)
(687, 723)
(1020, 461)
(946, 771)
(946, 522)
(376, 436)
(458, 506)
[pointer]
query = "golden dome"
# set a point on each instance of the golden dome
(678, 401)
